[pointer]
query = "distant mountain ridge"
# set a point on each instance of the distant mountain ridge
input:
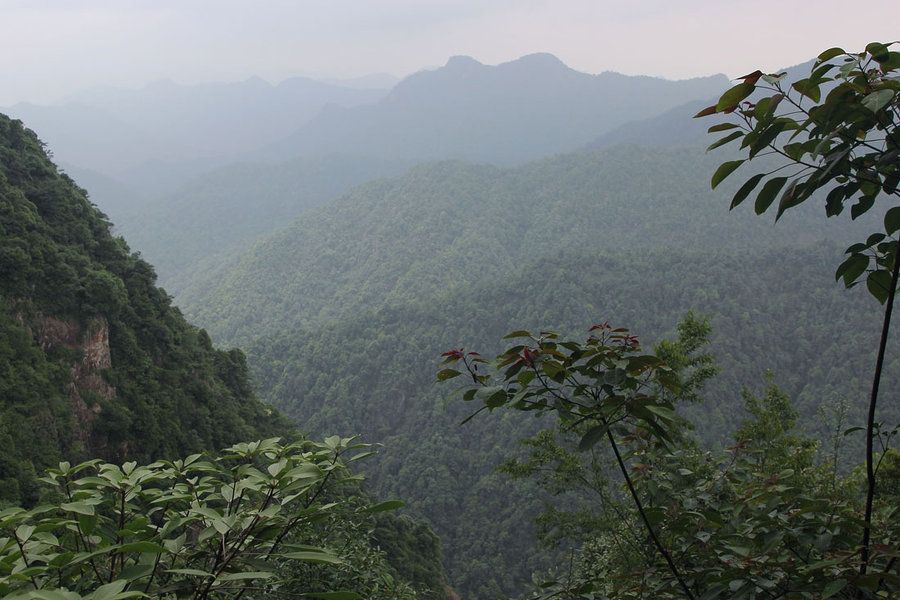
(512, 112)
(147, 134)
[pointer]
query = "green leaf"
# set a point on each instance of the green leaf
(314, 557)
(663, 412)
(724, 170)
(143, 547)
(722, 127)
(493, 396)
(852, 268)
(766, 137)
(745, 190)
(878, 100)
(892, 220)
(808, 88)
(446, 374)
(593, 435)
(384, 506)
(193, 572)
(517, 334)
(78, 507)
(878, 51)
(833, 588)
(334, 595)
(109, 591)
(728, 138)
(734, 96)
(789, 199)
(830, 53)
(878, 284)
(891, 63)
(244, 575)
(23, 532)
(767, 194)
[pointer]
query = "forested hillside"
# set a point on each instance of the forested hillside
(344, 313)
(95, 362)
(94, 355)
(449, 225)
(203, 223)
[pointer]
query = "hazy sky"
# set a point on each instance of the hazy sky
(51, 48)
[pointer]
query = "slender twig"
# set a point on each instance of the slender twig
(640, 507)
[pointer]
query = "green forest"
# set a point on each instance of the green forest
(322, 398)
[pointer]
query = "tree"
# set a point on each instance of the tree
(847, 144)
(763, 519)
(234, 525)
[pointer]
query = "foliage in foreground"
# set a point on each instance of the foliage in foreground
(256, 521)
(761, 520)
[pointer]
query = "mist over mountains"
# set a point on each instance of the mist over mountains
(344, 232)
(148, 152)
(136, 135)
(503, 114)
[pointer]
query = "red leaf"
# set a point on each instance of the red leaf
(709, 110)
(753, 77)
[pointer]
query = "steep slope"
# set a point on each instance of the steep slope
(95, 360)
(521, 110)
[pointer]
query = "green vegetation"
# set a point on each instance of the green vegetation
(847, 143)
(648, 473)
(96, 362)
(94, 356)
(768, 518)
(203, 223)
(341, 313)
(649, 511)
(201, 528)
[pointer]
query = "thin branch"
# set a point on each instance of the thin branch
(637, 501)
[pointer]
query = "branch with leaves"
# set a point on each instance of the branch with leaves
(846, 144)
(202, 527)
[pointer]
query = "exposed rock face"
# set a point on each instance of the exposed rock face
(87, 386)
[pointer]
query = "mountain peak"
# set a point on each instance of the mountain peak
(461, 61)
(539, 60)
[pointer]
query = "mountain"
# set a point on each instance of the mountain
(449, 224)
(90, 137)
(95, 360)
(673, 128)
(513, 112)
(372, 81)
(113, 197)
(226, 118)
(676, 127)
(138, 136)
(196, 228)
(345, 311)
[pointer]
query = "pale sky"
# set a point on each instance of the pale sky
(49, 49)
